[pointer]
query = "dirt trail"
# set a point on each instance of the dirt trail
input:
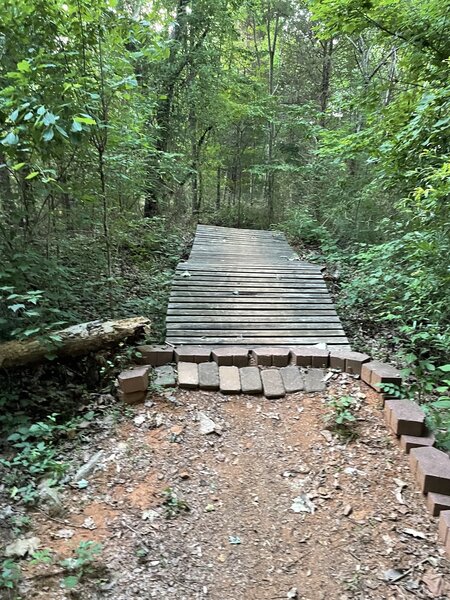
(241, 539)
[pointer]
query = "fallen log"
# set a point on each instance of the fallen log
(72, 341)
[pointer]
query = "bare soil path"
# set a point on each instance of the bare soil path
(241, 538)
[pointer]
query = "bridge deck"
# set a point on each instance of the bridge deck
(246, 287)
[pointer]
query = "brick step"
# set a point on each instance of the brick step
(264, 356)
(404, 417)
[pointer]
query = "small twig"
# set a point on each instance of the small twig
(410, 570)
(59, 520)
(44, 575)
(138, 534)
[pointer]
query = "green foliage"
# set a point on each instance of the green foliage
(431, 386)
(10, 574)
(43, 557)
(173, 505)
(302, 228)
(34, 455)
(341, 416)
(81, 564)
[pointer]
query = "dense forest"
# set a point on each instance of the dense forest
(124, 123)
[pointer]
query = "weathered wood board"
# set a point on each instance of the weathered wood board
(247, 288)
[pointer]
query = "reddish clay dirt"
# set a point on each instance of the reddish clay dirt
(241, 539)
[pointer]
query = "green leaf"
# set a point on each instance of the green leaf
(13, 116)
(444, 403)
(48, 134)
(18, 166)
(32, 175)
(24, 66)
(49, 119)
(62, 131)
(70, 582)
(445, 368)
(16, 307)
(86, 119)
(29, 332)
(10, 140)
(76, 126)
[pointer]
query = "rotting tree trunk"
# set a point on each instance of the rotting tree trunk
(74, 341)
(327, 48)
(272, 39)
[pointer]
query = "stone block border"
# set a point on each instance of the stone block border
(277, 371)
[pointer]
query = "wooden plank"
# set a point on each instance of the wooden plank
(241, 267)
(243, 306)
(320, 296)
(273, 333)
(252, 326)
(264, 318)
(178, 285)
(242, 300)
(252, 341)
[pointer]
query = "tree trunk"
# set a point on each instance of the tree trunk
(74, 341)
(327, 48)
(218, 188)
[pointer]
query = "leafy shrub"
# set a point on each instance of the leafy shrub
(341, 418)
(81, 564)
(35, 455)
(10, 574)
(302, 228)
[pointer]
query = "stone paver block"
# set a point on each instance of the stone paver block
(292, 379)
(133, 397)
(134, 380)
(408, 442)
(431, 468)
(188, 375)
(208, 376)
(230, 356)
(251, 380)
(262, 356)
(195, 354)
(155, 356)
(406, 418)
(309, 356)
(272, 383)
(165, 376)
(436, 503)
(376, 373)
(387, 411)
(229, 380)
(444, 526)
(348, 361)
(280, 357)
(314, 380)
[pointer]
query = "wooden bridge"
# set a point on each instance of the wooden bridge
(243, 287)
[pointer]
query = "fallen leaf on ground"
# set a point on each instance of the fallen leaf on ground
(303, 504)
(89, 523)
(65, 534)
(414, 533)
(234, 539)
(435, 584)
(392, 574)
(207, 425)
